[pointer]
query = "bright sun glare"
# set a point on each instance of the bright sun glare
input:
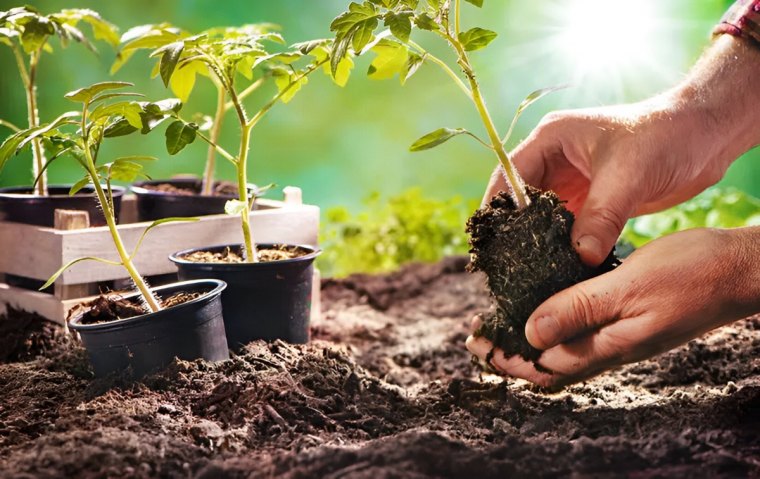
(611, 43)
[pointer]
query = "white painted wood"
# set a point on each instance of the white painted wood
(46, 305)
(293, 195)
(28, 250)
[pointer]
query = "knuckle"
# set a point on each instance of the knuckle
(609, 217)
(582, 309)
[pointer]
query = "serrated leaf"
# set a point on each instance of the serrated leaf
(391, 59)
(130, 110)
(437, 137)
(124, 170)
(288, 83)
(101, 29)
(426, 22)
(84, 95)
(178, 135)
(412, 65)
(400, 24)
(476, 38)
(235, 207)
(169, 58)
(182, 81)
(46, 128)
(36, 30)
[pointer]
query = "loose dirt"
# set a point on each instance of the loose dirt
(223, 188)
(230, 255)
(386, 389)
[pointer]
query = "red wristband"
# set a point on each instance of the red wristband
(742, 20)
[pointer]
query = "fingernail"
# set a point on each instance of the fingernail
(544, 333)
(589, 247)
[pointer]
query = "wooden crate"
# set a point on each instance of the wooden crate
(35, 252)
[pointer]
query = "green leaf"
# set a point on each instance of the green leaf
(11, 144)
(182, 81)
(426, 22)
(391, 59)
(178, 135)
(84, 95)
(476, 38)
(79, 185)
(437, 137)
(124, 170)
(68, 265)
(171, 54)
(101, 29)
(36, 30)
(46, 128)
(235, 207)
(288, 83)
(130, 110)
(411, 67)
(477, 3)
(400, 24)
(529, 100)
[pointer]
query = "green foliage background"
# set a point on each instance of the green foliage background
(341, 145)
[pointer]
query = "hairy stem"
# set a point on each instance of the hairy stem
(107, 206)
(514, 180)
(38, 155)
(252, 255)
(207, 187)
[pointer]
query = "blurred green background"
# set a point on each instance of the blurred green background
(343, 145)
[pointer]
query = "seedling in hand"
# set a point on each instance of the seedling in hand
(227, 55)
(105, 113)
(396, 53)
(27, 32)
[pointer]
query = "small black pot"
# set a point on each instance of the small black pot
(153, 205)
(263, 300)
(190, 330)
(18, 204)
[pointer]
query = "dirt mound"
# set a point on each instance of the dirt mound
(385, 392)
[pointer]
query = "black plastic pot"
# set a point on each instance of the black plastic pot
(267, 301)
(153, 205)
(190, 330)
(19, 205)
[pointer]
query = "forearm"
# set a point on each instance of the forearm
(723, 91)
(745, 243)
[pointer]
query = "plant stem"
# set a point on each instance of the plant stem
(38, 165)
(106, 205)
(252, 255)
(10, 126)
(443, 66)
(207, 187)
(514, 180)
(245, 93)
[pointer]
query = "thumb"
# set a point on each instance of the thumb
(609, 204)
(581, 308)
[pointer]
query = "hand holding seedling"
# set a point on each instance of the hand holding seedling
(613, 163)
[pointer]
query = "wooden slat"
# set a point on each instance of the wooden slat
(72, 220)
(46, 305)
(295, 224)
(30, 251)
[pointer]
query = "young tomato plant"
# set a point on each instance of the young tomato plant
(398, 54)
(227, 55)
(27, 32)
(80, 134)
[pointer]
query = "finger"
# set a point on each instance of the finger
(518, 367)
(496, 183)
(576, 310)
(479, 346)
(611, 201)
(476, 322)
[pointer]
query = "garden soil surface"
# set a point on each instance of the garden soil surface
(385, 389)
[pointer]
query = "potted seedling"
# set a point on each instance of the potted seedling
(27, 33)
(149, 327)
(188, 196)
(521, 239)
(269, 286)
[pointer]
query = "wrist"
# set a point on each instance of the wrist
(743, 273)
(719, 98)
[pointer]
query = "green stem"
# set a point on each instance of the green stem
(458, 81)
(252, 255)
(516, 183)
(38, 155)
(245, 93)
(108, 212)
(219, 149)
(207, 187)
(10, 126)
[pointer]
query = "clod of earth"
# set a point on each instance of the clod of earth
(527, 257)
(228, 255)
(107, 308)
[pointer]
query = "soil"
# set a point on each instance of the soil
(107, 308)
(386, 389)
(527, 256)
(229, 255)
(221, 188)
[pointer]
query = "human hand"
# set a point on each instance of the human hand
(666, 293)
(615, 162)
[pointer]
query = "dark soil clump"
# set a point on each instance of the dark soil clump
(229, 255)
(527, 257)
(25, 336)
(107, 308)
